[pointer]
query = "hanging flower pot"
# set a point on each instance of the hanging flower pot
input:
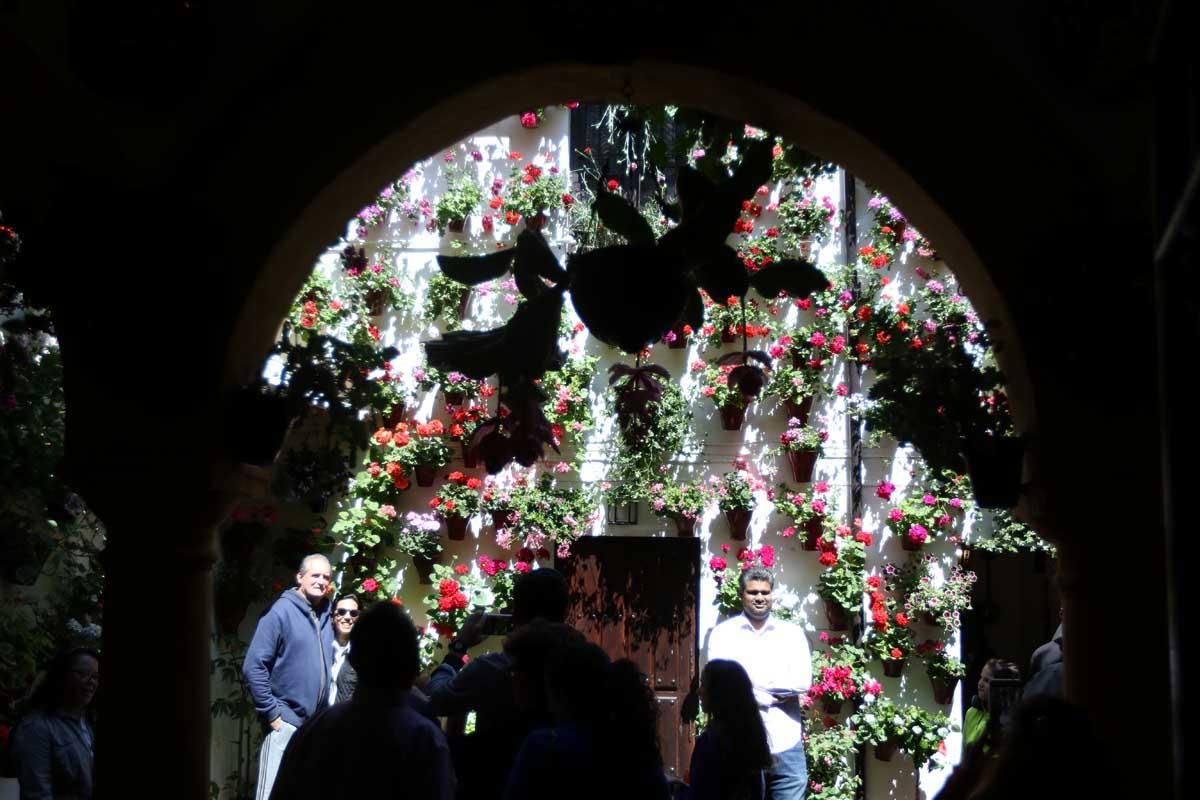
(994, 464)
(456, 528)
(732, 417)
(885, 750)
(424, 567)
(685, 526)
(943, 691)
(838, 617)
(500, 518)
(739, 521)
(910, 544)
(831, 706)
(536, 222)
(803, 462)
(377, 302)
(425, 474)
(893, 667)
(456, 225)
(678, 340)
(728, 336)
(928, 618)
(395, 415)
(813, 529)
(470, 457)
(799, 410)
(454, 397)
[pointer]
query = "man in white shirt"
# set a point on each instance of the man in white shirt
(776, 656)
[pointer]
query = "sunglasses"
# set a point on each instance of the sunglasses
(346, 612)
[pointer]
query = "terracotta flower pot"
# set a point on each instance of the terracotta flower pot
(910, 544)
(803, 462)
(456, 225)
(831, 706)
(893, 667)
(454, 397)
(799, 410)
(732, 417)
(885, 750)
(838, 617)
(424, 567)
(470, 457)
(377, 302)
(685, 526)
(456, 528)
(813, 529)
(943, 692)
(739, 521)
(425, 474)
(536, 222)
(728, 336)
(500, 518)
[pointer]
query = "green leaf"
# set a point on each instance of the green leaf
(619, 216)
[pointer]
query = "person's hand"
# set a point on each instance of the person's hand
(277, 723)
(471, 632)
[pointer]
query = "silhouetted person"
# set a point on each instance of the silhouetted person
(986, 726)
(286, 668)
(604, 742)
(375, 745)
(1046, 680)
(53, 744)
(732, 753)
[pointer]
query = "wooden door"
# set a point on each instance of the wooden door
(636, 598)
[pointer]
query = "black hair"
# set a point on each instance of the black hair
(347, 596)
(540, 593)
(384, 648)
(734, 712)
(755, 574)
(49, 692)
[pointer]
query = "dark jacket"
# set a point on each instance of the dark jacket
(287, 664)
(53, 756)
(347, 682)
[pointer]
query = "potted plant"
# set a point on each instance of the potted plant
(551, 513)
(941, 604)
(735, 496)
(462, 197)
(838, 677)
(316, 308)
(944, 670)
(532, 192)
(923, 734)
(568, 402)
(653, 422)
(367, 532)
(682, 502)
(890, 639)
(456, 502)
(533, 118)
(725, 321)
(879, 723)
(831, 749)
(496, 501)
(916, 520)
(463, 422)
(418, 538)
(804, 220)
(802, 444)
(446, 301)
(729, 399)
(457, 593)
(841, 584)
(426, 451)
(796, 390)
(809, 513)
(727, 574)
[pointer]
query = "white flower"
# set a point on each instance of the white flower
(869, 718)
(943, 732)
(897, 721)
(916, 729)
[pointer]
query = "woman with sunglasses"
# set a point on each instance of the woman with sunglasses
(343, 678)
(52, 746)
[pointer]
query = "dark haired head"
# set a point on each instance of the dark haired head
(49, 693)
(728, 696)
(755, 574)
(540, 593)
(384, 648)
(347, 596)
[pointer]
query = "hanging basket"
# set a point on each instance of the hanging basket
(456, 528)
(454, 397)
(500, 518)
(885, 750)
(803, 462)
(943, 691)
(994, 464)
(728, 336)
(813, 529)
(536, 222)
(732, 417)
(838, 617)
(739, 521)
(685, 526)
(893, 667)
(424, 567)
(425, 474)
(799, 411)
(470, 457)
(831, 706)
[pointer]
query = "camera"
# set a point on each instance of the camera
(497, 624)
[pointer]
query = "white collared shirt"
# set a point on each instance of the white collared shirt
(339, 658)
(775, 656)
